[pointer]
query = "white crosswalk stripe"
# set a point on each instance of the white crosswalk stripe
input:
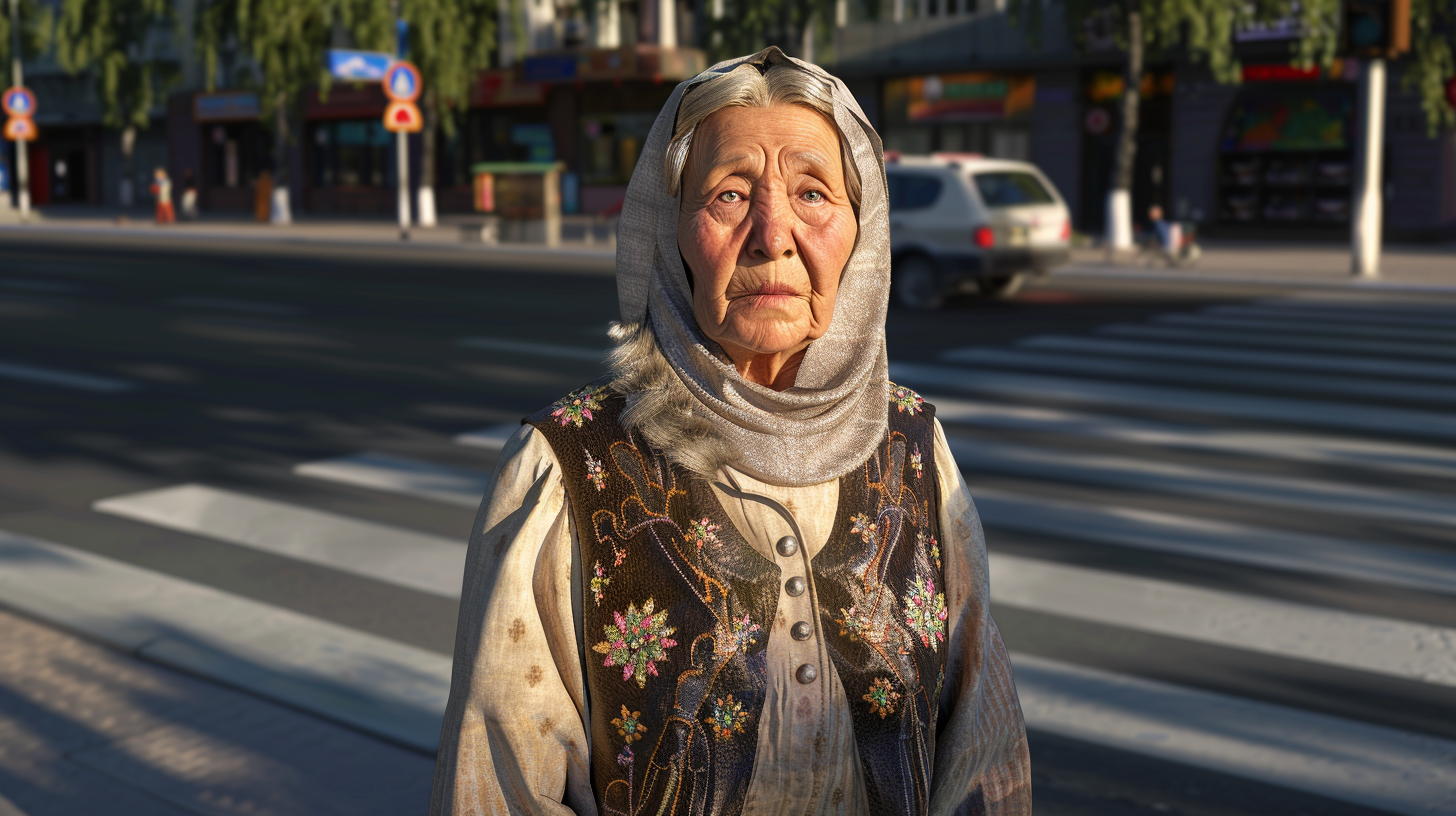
(399, 690)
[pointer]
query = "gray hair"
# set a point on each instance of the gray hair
(749, 87)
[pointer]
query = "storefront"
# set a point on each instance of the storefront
(1101, 128)
(978, 112)
(234, 150)
(349, 158)
(1285, 153)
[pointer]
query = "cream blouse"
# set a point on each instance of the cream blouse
(515, 733)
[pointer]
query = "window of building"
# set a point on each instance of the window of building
(235, 153)
(353, 153)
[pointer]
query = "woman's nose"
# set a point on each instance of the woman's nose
(771, 237)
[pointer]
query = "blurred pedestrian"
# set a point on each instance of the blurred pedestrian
(189, 195)
(1169, 233)
(262, 196)
(782, 581)
(162, 191)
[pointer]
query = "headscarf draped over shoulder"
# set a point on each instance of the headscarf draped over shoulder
(833, 417)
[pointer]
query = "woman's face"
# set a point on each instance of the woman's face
(766, 227)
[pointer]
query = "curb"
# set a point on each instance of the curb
(1247, 280)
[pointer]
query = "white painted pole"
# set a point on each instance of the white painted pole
(402, 140)
(1365, 227)
(22, 161)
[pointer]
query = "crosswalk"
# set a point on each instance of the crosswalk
(1272, 480)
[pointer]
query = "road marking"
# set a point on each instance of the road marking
(1364, 316)
(595, 355)
(1372, 419)
(1306, 327)
(410, 477)
(1276, 340)
(1300, 553)
(1395, 648)
(492, 438)
(34, 285)
(418, 561)
(1378, 767)
(235, 305)
(1300, 362)
(1208, 376)
(65, 379)
(378, 685)
(1391, 456)
(1238, 487)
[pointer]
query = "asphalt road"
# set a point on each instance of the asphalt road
(1224, 544)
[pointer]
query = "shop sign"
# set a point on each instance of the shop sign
(346, 102)
(18, 102)
(550, 68)
(362, 66)
(403, 117)
(225, 107)
(498, 89)
(1108, 85)
(1097, 121)
(969, 97)
(1451, 92)
(1285, 28)
(671, 63)
(402, 82)
(1283, 72)
(21, 129)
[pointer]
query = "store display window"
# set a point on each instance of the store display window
(1286, 156)
(353, 153)
(611, 144)
(234, 153)
(974, 112)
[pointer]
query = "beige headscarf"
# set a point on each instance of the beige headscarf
(835, 415)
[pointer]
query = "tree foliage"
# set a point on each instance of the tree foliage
(36, 22)
(284, 39)
(750, 25)
(1431, 62)
(123, 44)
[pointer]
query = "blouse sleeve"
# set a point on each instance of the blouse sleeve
(514, 737)
(981, 760)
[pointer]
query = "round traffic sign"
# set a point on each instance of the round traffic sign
(1097, 121)
(20, 129)
(402, 82)
(18, 102)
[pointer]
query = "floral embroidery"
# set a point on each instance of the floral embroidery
(853, 624)
(637, 641)
(702, 532)
(625, 757)
(882, 697)
(629, 726)
(578, 405)
(618, 555)
(932, 546)
(925, 611)
(728, 717)
(742, 634)
(906, 400)
(599, 583)
(916, 463)
(595, 473)
(860, 525)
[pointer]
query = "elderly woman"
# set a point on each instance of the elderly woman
(742, 573)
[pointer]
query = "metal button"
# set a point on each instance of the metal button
(807, 673)
(788, 545)
(794, 586)
(802, 630)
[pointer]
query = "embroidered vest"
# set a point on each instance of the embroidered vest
(676, 606)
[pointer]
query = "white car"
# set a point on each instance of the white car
(964, 223)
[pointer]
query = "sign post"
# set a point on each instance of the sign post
(402, 117)
(19, 105)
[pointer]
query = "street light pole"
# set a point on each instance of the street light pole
(401, 144)
(1365, 227)
(22, 165)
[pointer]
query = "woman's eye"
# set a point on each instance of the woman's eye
(731, 197)
(813, 197)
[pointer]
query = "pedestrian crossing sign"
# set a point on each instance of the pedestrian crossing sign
(18, 102)
(20, 129)
(402, 117)
(402, 82)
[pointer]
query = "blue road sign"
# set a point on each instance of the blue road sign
(360, 65)
(402, 82)
(18, 102)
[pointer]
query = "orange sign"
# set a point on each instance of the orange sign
(402, 117)
(21, 129)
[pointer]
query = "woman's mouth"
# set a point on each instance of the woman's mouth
(767, 294)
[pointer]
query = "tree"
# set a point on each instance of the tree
(745, 26)
(1431, 64)
(36, 24)
(450, 41)
(121, 43)
(285, 40)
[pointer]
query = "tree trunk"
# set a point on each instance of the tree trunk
(1119, 198)
(281, 211)
(128, 166)
(425, 198)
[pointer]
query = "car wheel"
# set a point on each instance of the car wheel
(1003, 287)
(916, 284)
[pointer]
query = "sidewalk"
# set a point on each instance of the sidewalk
(1412, 267)
(88, 730)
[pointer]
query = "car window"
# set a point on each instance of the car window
(909, 191)
(1011, 189)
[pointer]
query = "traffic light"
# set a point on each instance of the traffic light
(1374, 28)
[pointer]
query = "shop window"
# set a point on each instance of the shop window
(1285, 157)
(909, 191)
(353, 153)
(612, 143)
(509, 135)
(236, 153)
